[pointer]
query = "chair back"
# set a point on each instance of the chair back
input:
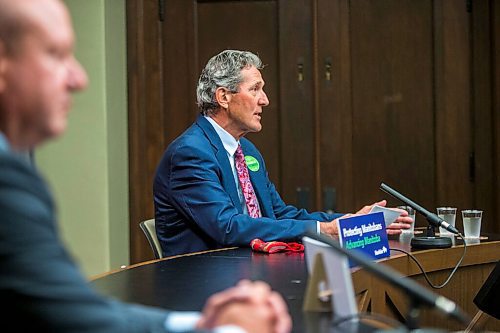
(149, 229)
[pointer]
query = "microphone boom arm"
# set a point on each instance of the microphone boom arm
(431, 217)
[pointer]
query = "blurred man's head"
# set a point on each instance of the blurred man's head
(38, 71)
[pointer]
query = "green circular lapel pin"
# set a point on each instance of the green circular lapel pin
(252, 163)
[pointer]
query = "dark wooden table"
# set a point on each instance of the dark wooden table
(185, 282)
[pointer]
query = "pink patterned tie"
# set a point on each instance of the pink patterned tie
(246, 185)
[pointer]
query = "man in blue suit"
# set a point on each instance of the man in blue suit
(199, 199)
(41, 288)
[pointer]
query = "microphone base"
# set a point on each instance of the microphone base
(430, 242)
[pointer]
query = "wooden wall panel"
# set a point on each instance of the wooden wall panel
(334, 102)
(145, 131)
(453, 104)
(482, 124)
(179, 70)
(495, 73)
(392, 99)
(296, 99)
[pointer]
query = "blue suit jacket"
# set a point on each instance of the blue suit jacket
(196, 200)
(40, 285)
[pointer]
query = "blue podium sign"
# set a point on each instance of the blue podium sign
(365, 233)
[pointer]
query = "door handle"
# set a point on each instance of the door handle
(328, 69)
(300, 72)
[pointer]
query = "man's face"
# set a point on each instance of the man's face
(40, 75)
(245, 106)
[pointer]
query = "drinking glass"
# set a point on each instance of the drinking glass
(472, 222)
(448, 214)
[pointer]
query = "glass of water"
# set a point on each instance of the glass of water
(472, 222)
(448, 214)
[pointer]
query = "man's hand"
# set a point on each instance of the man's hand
(329, 228)
(395, 228)
(402, 222)
(252, 306)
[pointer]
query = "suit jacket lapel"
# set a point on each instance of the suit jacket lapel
(221, 155)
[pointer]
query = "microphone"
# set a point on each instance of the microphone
(431, 217)
(418, 294)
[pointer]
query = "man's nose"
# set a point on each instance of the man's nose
(263, 99)
(77, 77)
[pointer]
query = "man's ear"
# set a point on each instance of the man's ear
(223, 97)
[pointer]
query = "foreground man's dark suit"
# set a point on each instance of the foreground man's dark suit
(41, 289)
